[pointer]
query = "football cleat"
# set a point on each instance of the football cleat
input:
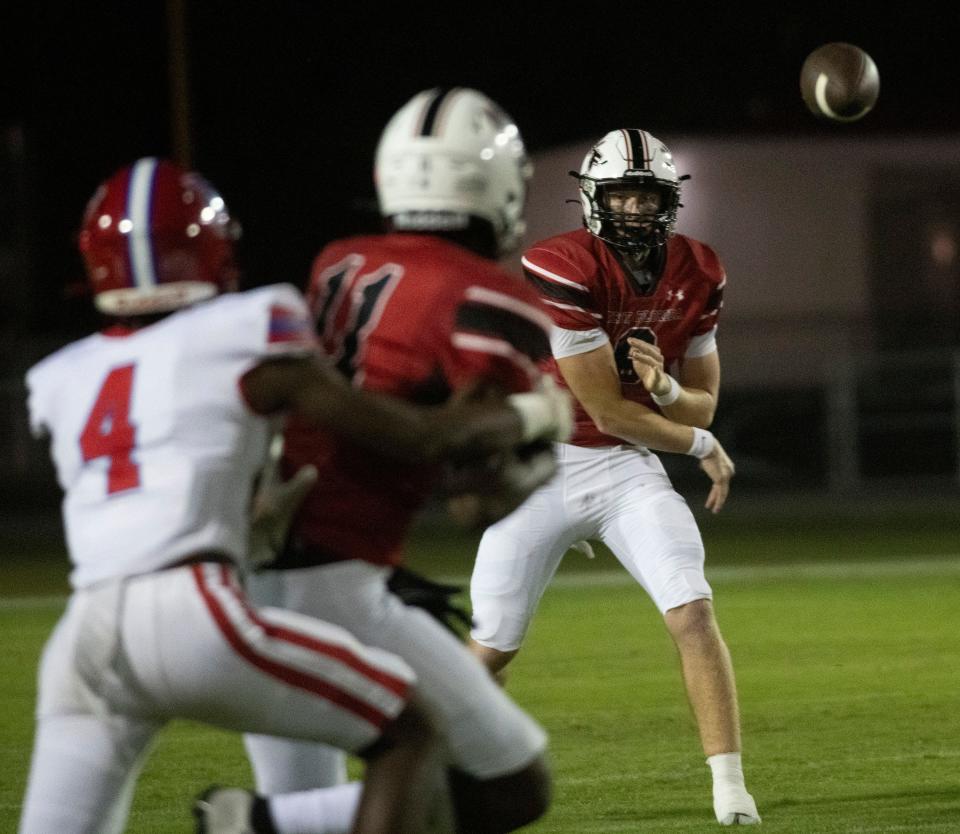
(734, 806)
(224, 811)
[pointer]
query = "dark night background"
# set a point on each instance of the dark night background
(286, 98)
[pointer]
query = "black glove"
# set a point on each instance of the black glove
(432, 597)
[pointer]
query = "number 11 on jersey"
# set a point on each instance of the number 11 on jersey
(109, 432)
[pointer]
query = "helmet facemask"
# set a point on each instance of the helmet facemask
(640, 230)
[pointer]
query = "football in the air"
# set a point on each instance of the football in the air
(840, 82)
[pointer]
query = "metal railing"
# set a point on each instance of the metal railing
(891, 414)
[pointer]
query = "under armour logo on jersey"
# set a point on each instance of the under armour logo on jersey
(676, 295)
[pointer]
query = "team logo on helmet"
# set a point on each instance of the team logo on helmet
(596, 158)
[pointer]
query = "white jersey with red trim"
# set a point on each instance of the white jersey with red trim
(589, 293)
(153, 442)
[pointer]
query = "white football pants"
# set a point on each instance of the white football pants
(620, 495)
(128, 655)
(486, 733)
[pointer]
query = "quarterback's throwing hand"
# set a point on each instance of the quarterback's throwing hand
(720, 470)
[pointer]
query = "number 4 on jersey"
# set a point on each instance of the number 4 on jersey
(109, 432)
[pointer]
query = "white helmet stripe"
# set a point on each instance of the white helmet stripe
(139, 243)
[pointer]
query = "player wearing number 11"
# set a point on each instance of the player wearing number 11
(419, 312)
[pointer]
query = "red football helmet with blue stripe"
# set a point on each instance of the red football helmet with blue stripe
(156, 237)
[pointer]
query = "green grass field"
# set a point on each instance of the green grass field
(845, 633)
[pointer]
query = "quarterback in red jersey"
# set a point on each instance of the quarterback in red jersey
(577, 275)
(635, 307)
(421, 312)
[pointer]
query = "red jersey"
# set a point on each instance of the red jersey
(584, 286)
(417, 317)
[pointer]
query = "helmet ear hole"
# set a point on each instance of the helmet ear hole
(449, 157)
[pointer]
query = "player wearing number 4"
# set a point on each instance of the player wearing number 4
(635, 308)
(158, 427)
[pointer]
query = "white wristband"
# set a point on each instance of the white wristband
(703, 443)
(671, 396)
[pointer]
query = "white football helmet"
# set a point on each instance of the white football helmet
(450, 157)
(624, 158)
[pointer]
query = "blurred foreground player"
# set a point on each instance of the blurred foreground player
(158, 427)
(632, 303)
(419, 312)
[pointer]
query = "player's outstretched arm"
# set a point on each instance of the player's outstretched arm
(460, 430)
(594, 381)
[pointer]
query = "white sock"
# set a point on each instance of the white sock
(727, 769)
(731, 802)
(320, 811)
